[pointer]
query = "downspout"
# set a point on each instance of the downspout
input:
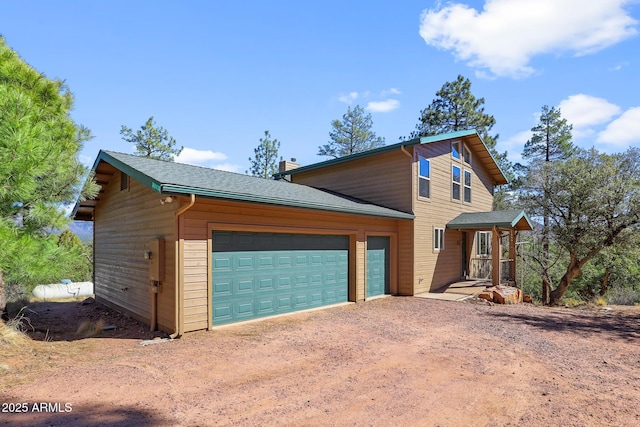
(178, 282)
(404, 150)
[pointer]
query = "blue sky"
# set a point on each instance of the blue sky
(217, 74)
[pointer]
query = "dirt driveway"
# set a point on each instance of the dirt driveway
(389, 362)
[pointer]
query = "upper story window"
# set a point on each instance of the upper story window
(467, 186)
(424, 178)
(438, 239)
(466, 154)
(455, 182)
(455, 150)
(459, 151)
(124, 181)
(483, 243)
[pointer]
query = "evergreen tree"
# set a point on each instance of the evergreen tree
(455, 108)
(152, 141)
(39, 144)
(351, 135)
(265, 162)
(551, 141)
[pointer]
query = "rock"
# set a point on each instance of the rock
(507, 295)
(486, 295)
(527, 298)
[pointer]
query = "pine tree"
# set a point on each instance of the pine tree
(152, 141)
(265, 162)
(351, 135)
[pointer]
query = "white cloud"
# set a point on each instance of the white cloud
(229, 167)
(192, 156)
(349, 98)
(383, 106)
(624, 130)
(514, 145)
(585, 111)
(392, 91)
(502, 39)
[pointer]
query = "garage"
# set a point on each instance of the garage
(377, 266)
(257, 274)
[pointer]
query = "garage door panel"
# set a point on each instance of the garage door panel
(377, 266)
(284, 273)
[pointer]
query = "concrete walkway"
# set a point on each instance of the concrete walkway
(457, 291)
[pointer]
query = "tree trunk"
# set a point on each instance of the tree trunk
(3, 299)
(546, 282)
(604, 284)
(573, 270)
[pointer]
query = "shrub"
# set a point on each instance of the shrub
(622, 296)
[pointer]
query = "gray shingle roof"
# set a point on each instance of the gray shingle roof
(182, 179)
(486, 220)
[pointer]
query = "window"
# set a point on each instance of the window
(124, 181)
(455, 182)
(483, 243)
(438, 239)
(455, 150)
(466, 155)
(467, 186)
(424, 179)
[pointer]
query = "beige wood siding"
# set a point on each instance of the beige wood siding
(207, 215)
(383, 179)
(124, 222)
(434, 269)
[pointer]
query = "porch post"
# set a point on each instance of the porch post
(512, 256)
(496, 252)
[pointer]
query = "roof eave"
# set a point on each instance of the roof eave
(185, 191)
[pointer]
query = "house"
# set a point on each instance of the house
(184, 248)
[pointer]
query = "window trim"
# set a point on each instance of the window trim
(466, 154)
(487, 235)
(465, 186)
(438, 239)
(458, 183)
(427, 177)
(124, 181)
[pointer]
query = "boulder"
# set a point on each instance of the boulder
(486, 295)
(507, 295)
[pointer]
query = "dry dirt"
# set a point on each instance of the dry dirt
(396, 361)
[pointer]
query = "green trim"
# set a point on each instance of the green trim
(217, 194)
(412, 142)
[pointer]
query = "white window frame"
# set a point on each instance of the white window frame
(466, 154)
(480, 236)
(465, 186)
(454, 182)
(427, 178)
(438, 239)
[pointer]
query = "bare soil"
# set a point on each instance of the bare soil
(396, 361)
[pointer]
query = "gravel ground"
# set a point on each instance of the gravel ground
(397, 361)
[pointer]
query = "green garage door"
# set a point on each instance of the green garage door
(377, 266)
(261, 274)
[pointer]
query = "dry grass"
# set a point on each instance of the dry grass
(88, 329)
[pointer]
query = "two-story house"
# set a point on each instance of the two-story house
(185, 248)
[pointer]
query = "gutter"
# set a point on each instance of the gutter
(179, 285)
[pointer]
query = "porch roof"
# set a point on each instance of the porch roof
(515, 219)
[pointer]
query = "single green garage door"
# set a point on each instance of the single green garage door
(261, 274)
(377, 266)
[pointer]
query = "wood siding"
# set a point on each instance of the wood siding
(435, 269)
(125, 221)
(207, 215)
(382, 179)
(391, 179)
